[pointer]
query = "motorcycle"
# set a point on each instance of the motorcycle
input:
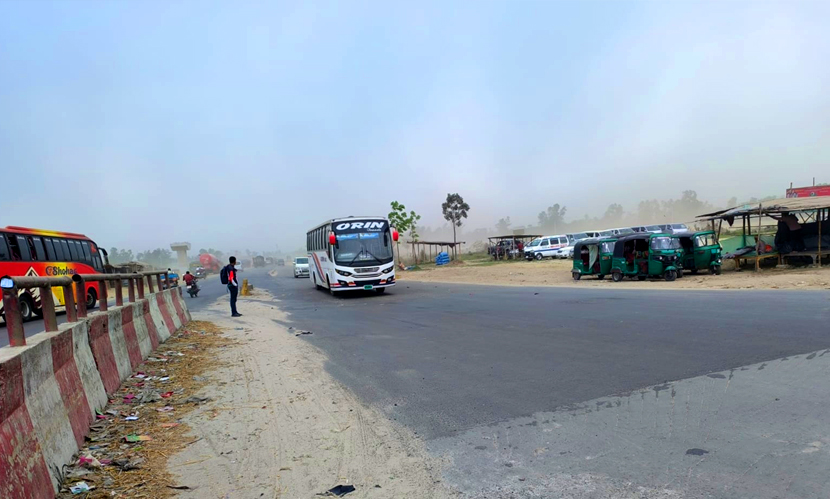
(193, 289)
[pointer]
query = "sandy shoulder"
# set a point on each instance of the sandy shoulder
(558, 273)
(280, 426)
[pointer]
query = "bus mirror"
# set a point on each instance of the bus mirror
(395, 235)
(332, 238)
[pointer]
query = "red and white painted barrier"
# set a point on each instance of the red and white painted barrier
(50, 388)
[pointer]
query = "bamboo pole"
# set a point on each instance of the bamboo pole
(758, 244)
(820, 212)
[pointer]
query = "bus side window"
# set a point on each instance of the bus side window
(4, 249)
(50, 250)
(38, 245)
(87, 255)
(96, 263)
(23, 247)
(73, 251)
(67, 257)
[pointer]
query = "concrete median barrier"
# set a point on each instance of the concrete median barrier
(51, 387)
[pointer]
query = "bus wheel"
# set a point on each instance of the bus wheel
(328, 283)
(91, 299)
(670, 275)
(27, 307)
(576, 275)
(616, 276)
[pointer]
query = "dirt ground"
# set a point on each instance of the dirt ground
(279, 426)
(558, 273)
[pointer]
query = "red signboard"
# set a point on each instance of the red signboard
(804, 192)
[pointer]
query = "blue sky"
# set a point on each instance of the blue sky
(276, 116)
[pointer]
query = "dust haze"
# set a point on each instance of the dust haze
(240, 126)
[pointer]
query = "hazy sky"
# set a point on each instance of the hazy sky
(242, 124)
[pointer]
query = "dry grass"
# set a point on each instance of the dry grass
(197, 343)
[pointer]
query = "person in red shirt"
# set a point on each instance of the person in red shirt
(233, 285)
(189, 278)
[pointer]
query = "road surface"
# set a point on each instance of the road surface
(698, 393)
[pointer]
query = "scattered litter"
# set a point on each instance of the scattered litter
(80, 488)
(155, 359)
(169, 425)
(137, 438)
(88, 461)
(128, 398)
(338, 491)
(180, 487)
(166, 408)
(166, 395)
(164, 378)
(112, 412)
(128, 465)
(197, 400)
(302, 332)
(131, 418)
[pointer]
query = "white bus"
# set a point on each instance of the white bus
(352, 253)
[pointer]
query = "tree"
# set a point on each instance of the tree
(455, 210)
(117, 256)
(160, 257)
(503, 225)
(613, 214)
(403, 222)
(553, 218)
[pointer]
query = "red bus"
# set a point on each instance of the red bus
(34, 252)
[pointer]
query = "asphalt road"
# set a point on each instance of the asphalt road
(456, 363)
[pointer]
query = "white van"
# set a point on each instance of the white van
(545, 247)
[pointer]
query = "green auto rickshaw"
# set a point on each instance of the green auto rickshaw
(644, 255)
(592, 257)
(701, 251)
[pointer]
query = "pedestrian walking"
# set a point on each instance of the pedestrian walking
(228, 277)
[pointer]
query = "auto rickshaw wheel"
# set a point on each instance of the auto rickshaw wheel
(680, 274)
(715, 270)
(670, 275)
(539, 256)
(616, 276)
(641, 278)
(576, 275)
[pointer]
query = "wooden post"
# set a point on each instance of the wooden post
(820, 211)
(758, 244)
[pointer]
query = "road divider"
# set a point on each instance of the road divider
(52, 383)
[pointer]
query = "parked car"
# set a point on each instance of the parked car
(545, 247)
(654, 229)
(674, 227)
(593, 234)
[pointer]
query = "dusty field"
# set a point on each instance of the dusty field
(557, 273)
(280, 426)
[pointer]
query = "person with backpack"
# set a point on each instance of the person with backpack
(228, 277)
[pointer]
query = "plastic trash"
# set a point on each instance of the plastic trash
(340, 490)
(80, 488)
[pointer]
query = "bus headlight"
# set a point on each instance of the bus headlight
(387, 270)
(343, 272)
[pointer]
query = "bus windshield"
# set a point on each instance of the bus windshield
(360, 247)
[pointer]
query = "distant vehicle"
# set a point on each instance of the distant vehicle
(259, 261)
(210, 262)
(654, 229)
(301, 267)
(622, 231)
(593, 234)
(200, 272)
(674, 228)
(281, 262)
(545, 247)
(41, 253)
(506, 249)
(352, 253)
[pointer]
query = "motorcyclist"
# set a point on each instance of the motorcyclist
(189, 278)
